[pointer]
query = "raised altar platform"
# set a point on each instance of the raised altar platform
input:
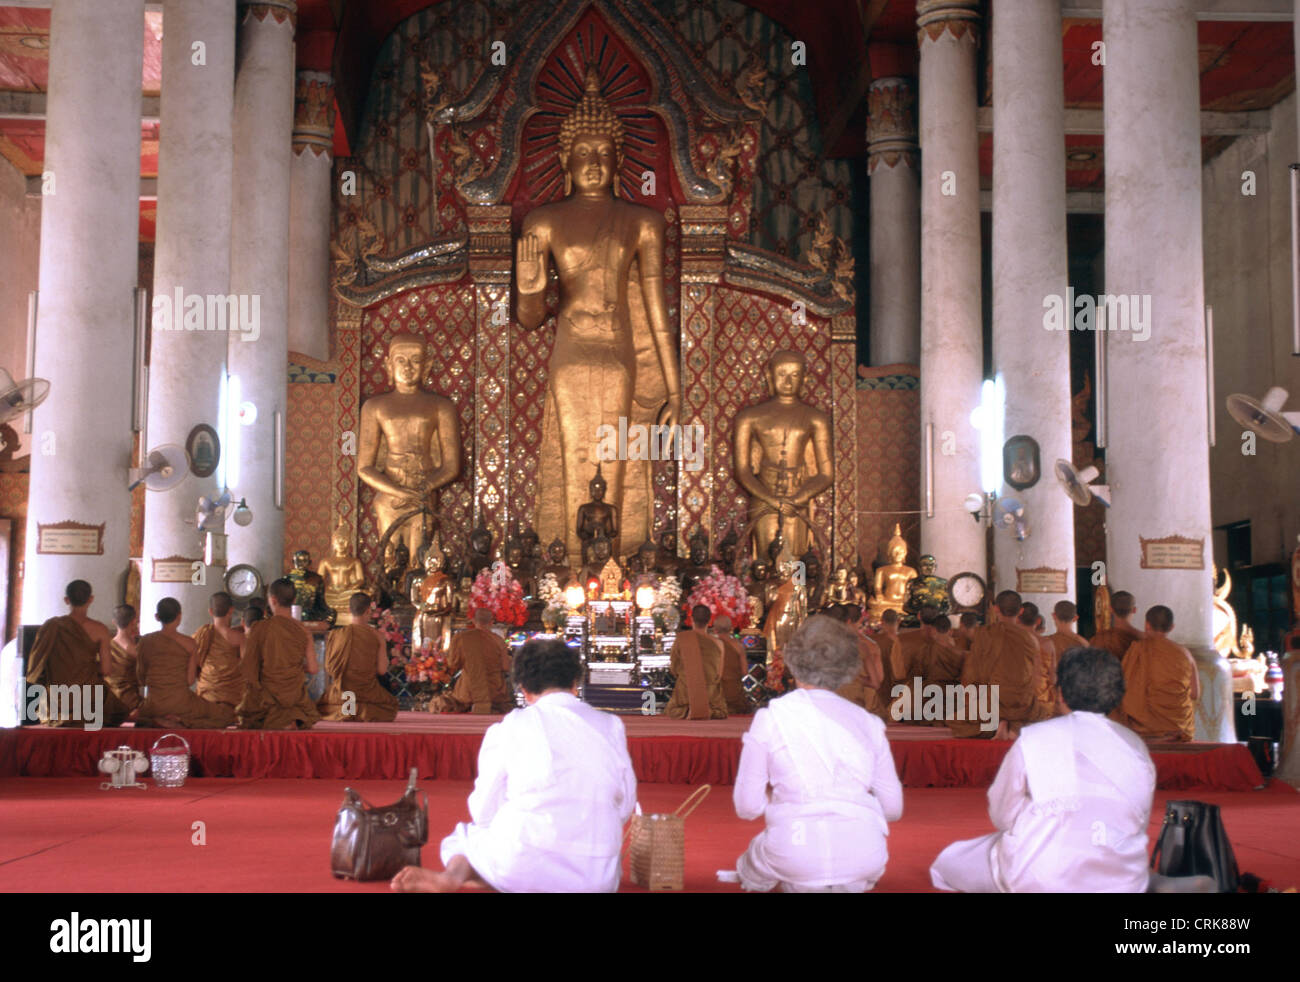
(662, 750)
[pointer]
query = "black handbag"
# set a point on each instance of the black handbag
(1193, 842)
(375, 843)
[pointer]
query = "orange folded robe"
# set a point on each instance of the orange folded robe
(696, 663)
(865, 689)
(480, 657)
(275, 677)
(64, 654)
(165, 664)
(734, 667)
(220, 679)
(1061, 642)
(1158, 690)
(1007, 655)
(1116, 639)
(352, 661)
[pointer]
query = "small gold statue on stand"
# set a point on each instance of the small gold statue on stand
(434, 596)
(892, 580)
(343, 574)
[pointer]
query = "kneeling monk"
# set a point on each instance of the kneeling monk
(277, 651)
(1071, 800)
(167, 664)
(219, 647)
(482, 660)
(696, 664)
(735, 666)
(1004, 653)
(73, 650)
(355, 658)
(1161, 683)
(554, 787)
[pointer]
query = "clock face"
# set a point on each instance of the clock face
(966, 590)
(243, 581)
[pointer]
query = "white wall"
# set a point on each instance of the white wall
(20, 235)
(1248, 283)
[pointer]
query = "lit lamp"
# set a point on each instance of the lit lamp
(574, 596)
(645, 597)
(593, 588)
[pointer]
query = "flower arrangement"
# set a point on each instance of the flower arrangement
(722, 594)
(549, 591)
(497, 589)
(428, 666)
(668, 599)
(391, 631)
(776, 675)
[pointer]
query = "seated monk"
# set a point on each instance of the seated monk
(818, 770)
(278, 656)
(1071, 801)
(1161, 683)
(1046, 692)
(961, 635)
(123, 650)
(890, 657)
(73, 650)
(555, 786)
(943, 658)
(696, 664)
(1121, 633)
(167, 665)
(734, 667)
(1065, 616)
(482, 659)
(355, 657)
(219, 646)
(864, 689)
(1003, 653)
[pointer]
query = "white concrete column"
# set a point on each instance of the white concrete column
(1030, 265)
(894, 168)
(259, 268)
(1157, 456)
(309, 215)
(192, 257)
(90, 231)
(951, 323)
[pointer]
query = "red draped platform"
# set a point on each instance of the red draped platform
(663, 752)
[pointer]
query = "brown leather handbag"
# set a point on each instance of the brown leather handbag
(375, 843)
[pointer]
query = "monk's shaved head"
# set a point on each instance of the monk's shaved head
(1121, 603)
(123, 615)
(1008, 603)
(942, 625)
(219, 604)
(1029, 614)
(968, 619)
(282, 592)
(889, 617)
(1065, 610)
(1160, 618)
(78, 593)
(359, 604)
(701, 615)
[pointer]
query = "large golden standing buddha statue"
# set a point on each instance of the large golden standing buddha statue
(614, 355)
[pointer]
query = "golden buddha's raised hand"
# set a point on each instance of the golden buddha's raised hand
(530, 265)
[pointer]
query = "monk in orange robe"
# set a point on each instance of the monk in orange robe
(355, 657)
(123, 650)
(1004, 653)
(696, 664)
(865, 689)
(887, 642)
(1065, 616)
(1031, 619)
(167, 665)
(73, 650)
(482, 659)
(1161, 683)
(219, 646)
(963, 633)
(734, 667)
(941, 659)
(278, 656)
(1121, 633)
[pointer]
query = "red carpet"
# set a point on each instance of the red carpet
(663, 751)
(273, 835)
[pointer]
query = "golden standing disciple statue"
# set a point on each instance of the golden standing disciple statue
(434, 595)
(343, 574)
(773, 459)
(614, 355)
(892, 581)
(420, 433)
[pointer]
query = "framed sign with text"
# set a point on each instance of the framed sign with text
(69, 538)
(1172, 552)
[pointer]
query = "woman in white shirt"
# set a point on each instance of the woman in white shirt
(555, 786)
(818, 769)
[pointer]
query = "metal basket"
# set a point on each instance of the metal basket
(171, 765)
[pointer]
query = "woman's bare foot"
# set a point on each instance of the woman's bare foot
(417, 879)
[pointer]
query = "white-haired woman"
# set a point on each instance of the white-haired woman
(818, 769)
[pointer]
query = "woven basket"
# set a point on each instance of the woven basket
(171, 765)
(656, 854)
